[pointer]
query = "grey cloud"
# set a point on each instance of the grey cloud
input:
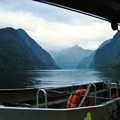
(50, 13)
(53, 16)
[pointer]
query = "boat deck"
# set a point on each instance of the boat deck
(55, 96)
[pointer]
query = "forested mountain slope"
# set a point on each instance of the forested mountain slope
(109, 55)
(87, 61)
(15, 54)
(37, 50)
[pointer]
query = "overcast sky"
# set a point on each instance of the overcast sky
(54, 28)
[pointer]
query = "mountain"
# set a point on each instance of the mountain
(15, 54)
(70, 58)
(38, 50)
(109, 55)
(87, 61)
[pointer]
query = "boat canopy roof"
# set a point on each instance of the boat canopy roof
(108, 10)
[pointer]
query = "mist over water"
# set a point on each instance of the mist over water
(55, 78)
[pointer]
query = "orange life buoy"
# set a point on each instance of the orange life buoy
(73, 100)
(69, 101)
(113, 96)
(88, 101)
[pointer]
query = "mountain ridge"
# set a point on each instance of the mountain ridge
(109, 55)
(38, 50)
(15, 54)
(87, 61)
(70, 57)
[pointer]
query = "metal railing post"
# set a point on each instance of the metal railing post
(37, 98)
(95, 91)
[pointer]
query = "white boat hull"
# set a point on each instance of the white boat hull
(106, 111)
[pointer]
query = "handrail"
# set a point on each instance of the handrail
(95, 91)
(37, 98)
(110, 87)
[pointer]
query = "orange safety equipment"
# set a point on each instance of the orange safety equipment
(69, 101)
(113, 96)
(74, 99)
(88, 101)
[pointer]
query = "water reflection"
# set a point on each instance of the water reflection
(14, 79)
(109, 74)
(49, 78)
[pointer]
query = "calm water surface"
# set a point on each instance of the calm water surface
(51, 78)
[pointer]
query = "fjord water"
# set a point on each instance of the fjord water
(55, 78)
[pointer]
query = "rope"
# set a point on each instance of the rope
(78, 94)
(97, 97)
